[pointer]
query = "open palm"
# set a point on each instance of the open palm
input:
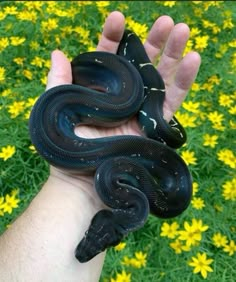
(165, 40)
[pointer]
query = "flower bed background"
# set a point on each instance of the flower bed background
(201, 242)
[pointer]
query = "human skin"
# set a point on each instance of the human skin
(40, 243)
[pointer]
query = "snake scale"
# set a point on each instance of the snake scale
(133, 175)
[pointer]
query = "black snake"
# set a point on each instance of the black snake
(134, 175)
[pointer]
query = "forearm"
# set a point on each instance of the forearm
(40, 244)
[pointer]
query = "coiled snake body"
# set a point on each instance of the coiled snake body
(134, 175)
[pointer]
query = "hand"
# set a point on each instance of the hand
(165, 39)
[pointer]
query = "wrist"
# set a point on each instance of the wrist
(72, 185)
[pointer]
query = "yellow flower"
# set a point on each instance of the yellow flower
(1, 206)
(27, 16)
(19, 61)
(232, 110)
(188, 47)
(228, 23)
(102, 4)
(169, 3)
(207, 86)
(34, 45)
(34, 5)
(201, 42)
(6, 92)
(197, 224)
(210, 140)
(120, 246)
(10, 203)
(189, 235)
(191, 106)
(10, 10)
(16, 40)
(7, 152)
(138, 261)
(2, 15)
(216, 118)
(2, 74)
(219, 240)
(16, 108)
(195, 188)
(31, 101)
(214, 79)
(138, 28)
(227, 156)
(37, 61)
(4, 42)
(232, 43)
(230, 248)
(122, 277)
(169, 230)
(222, 50)
(50, 24)
(192, 234)
(179, 247)
(218, 126)
(201, 264)
(198, 203)
(194, 31)
(225, 100)
(28, 74)
(189, 157)
(195, 87)
(186, 120)
(32, 148)
(44, 80)
(229, 190)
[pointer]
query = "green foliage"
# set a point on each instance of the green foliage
(29, 31)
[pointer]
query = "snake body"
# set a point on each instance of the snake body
(134, 175)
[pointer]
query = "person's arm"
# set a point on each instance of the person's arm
(40, 244)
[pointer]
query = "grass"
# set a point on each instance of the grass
(31, 30)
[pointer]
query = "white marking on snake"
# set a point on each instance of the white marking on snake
(156, 89)
(144, 65)
(98, 61)
(173, 122)
(126, 44)
(154, 122)
(164, 161)
(143, 113)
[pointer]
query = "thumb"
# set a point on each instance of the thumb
(60, 72)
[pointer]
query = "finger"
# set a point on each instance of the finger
(185, 76)
(158, 36)
(112, 32)
(60, 72)
(173, 52)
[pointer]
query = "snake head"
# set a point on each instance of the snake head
(102, 233)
